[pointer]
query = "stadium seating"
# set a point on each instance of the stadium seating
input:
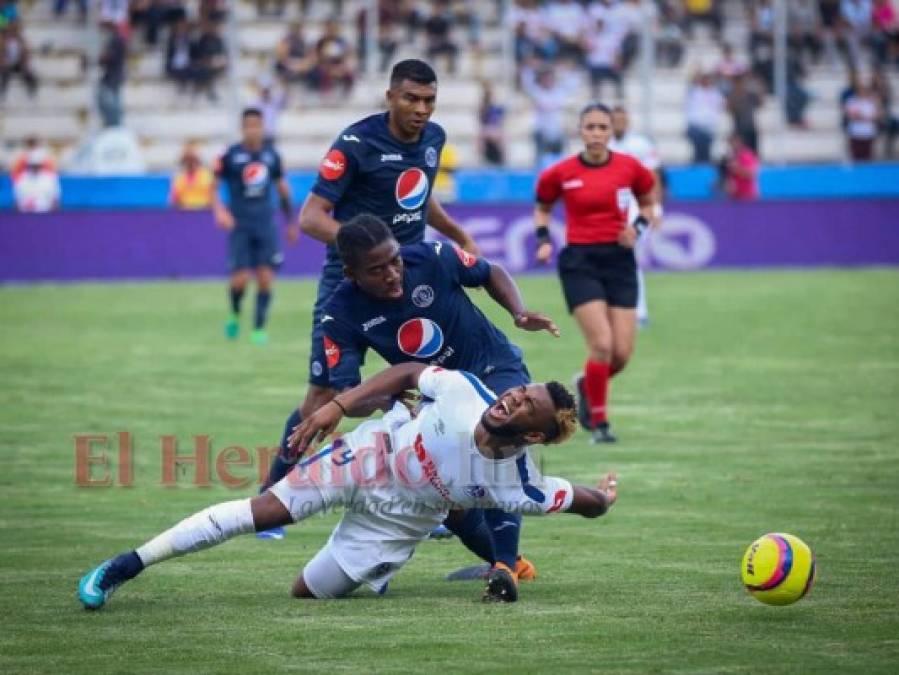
(63, 111)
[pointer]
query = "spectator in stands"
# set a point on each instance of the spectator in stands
(36, 187)
(704, 107)
(885, 36)
(797, 97)
(192, 185)
(112, 75)
(20, 162)
(9, 12)
(334, 66)
(761, 42)
(880, 82)
(60, 6)
(739, 171)
(15, 59)
(804, 24)
(491, 136)
(549, 92)
(856, 19)
(438, 29)
(270, 102)
(863, 118)
(533, 39)
(670, 38)
(743, 100)
(445, 188)
(566, 20)
(213, 11)
(177, 54)
(293, 59)
(154, 14)
(703, 11)
(208, 59)
(729, 68)
(389, 16)
(116, 13)
(602, 47)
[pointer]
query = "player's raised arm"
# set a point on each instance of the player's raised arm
(284, 198)
(316, 219)
(441, 221)
(393, 381)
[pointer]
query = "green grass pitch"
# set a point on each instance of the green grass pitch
(756, 402)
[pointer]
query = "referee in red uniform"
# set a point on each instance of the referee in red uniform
(597, 267)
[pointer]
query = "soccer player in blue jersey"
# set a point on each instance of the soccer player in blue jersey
(409, 304)
(250, 170)
(384, 164)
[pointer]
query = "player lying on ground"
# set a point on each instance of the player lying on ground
(397, 477)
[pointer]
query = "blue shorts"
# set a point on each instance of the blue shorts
(332, 275)
(250, 247)
(507, 376)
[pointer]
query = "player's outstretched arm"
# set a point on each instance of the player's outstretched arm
(393, 381)
(594, 502)
(316, 219)
(441, 221)
(503, 289)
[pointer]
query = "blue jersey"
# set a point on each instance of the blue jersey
(435, 322)
(367, 170)
(251, 178)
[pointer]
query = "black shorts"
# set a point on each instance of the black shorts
(605, 272)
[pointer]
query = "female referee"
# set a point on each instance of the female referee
(597, 267)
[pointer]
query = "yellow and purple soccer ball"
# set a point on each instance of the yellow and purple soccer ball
(778, 569)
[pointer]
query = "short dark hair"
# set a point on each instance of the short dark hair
(414, 70)
(565, 423)
(251, 112)
(359, 235)
(595, 106)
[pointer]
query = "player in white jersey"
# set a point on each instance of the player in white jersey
(397, 478)
(644, 151)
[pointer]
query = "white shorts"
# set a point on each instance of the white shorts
(377, 533)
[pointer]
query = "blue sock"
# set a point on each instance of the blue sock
(123, 567)
(506, 528)
(280, 466)
(473, 531)
(263, 298)
(236, 297)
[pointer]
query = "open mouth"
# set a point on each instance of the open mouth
(395, 291)
(500, 410)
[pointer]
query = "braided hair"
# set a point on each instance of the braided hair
(359, 235)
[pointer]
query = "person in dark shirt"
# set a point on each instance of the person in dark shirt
(112, 63)
(208, 59)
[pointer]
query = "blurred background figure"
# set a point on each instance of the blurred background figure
(602, 48)
(191, 187)
(209, 59)
(706, 12)
(112, 77)
(155, 15)
(703, 111)
(270, 101)
(863, 118)
(36, 185)
(739, 171)
(743, 102)
(293, 58)
(549, 92)
(60, 7)
(178, 65)
(566, 20)
(15, 58)
(491, 137)
(438, 29)
(335, 66)
(445, 188)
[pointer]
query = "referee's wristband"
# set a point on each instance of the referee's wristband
(543, 235)
(640, 224)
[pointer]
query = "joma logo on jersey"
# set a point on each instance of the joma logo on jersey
(421, 338)
(391, 157)
(371, 323)
(411, 189)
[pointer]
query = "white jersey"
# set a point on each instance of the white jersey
(397, 477)
(642, 149)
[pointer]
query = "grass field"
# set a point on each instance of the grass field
(755, 403)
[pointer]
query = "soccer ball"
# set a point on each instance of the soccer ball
(778, 569)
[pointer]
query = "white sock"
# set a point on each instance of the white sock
(202, 530)
(642, 308)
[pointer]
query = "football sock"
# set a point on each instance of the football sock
(236, 297)
(202, 530)
(474, 532)
(642, 308)
(596, 384)
(122, 568)
(263, 298)
(506, 529)
(280, 466)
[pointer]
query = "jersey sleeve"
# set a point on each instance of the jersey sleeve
(462, 267)
(453, 386)
(531, 493)
(643, 180)
(338, 168)
(221, 166)
(343, 353)
(277, 168)
(549, 186)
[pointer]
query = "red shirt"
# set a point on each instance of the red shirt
(596, 196)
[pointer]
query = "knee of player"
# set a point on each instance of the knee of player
(300, 591)
(620, 361)
(600, 350)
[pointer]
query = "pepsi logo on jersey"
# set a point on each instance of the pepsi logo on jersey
(411, 189)
(420, 338)
(254, 174)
